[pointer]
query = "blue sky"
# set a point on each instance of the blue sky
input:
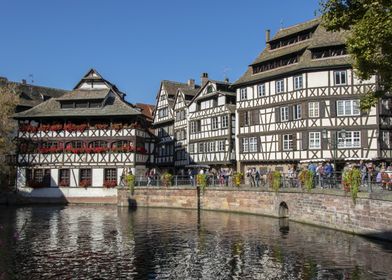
(136, 44)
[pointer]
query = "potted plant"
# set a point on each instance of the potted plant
(85, 183)
(351, 181)
(275, 180)
(237, 177)
(202, 181)
(167, 179)
(109, 184)
(130, 179)
(306, 179)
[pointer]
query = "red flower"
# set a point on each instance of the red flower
(85, 183)
(109, 183)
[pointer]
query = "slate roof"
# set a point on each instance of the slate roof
(51, 108)
(320, 38)
(85, 94)
(32, 95)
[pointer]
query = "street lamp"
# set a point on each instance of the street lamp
(333, 142)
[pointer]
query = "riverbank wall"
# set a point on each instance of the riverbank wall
(370, 215)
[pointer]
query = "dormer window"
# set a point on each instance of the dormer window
(67, 105)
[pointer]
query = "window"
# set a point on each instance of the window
(67, 104)
(221, 145)
(210, 89)
(81, 104)
(120, 144)
(50, 144)
(85, 177)
(298, 82)
(95, 103)
(245, 145)
(287, 142)
(252, 144)
(75, 144)
(340, 77)
(163, 112)
(261, 90)
(247, 118)
(163, 97)
(386, 139)
(110, 174)
(98, 143)
(225, 121)
(193, 127)
(314, 109)
(297, 114)
(191, 148)
(351, 139)
(201, 147)
(284, 114)
(243, 94)
(214, 123)
(64, 177)
(210, 147)
(207, 104)
(314, 140)
(348, 108)
(279, 86)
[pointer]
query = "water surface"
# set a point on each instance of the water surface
(105, 242)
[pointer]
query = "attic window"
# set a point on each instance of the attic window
(292, 39)
(210, 89)
(81, 104)
(276, 63)
(329, 52)
(67, 105)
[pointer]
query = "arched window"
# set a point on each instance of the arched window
(210, 89)
(98, 143)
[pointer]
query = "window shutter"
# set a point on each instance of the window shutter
(334, 139)
(255, 117)
(291, 109)
(364, 139)
(322, 109)
(332, 108)
(305, 140)
(304, 110)
(242, 118)
(294, 141)
(280, 143)
(277, 115)
(324, 142)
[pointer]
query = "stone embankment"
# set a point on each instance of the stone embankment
(332, 209)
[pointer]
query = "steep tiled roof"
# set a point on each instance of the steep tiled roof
(85, 94)
(320, 38)
(146, 109)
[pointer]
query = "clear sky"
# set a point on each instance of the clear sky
(136, 44)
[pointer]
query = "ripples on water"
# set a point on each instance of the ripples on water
(104, 242)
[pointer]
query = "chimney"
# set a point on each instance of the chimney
(267, 35)
(204, 78)
(24, 81)
(226, 80)
(191, 83)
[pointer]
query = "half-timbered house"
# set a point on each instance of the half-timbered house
(85, 138)
(299, 102)
(211, 121)
(164, 123)
(181, 102)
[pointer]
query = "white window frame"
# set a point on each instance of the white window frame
(252, 144)
(243, 94)
(284, 114)
(287, 142)
(214, 123)
(348, 108)
(297, 112)
(221, 145)
(352, 139)
(193, 127)
(225, 121)
(314, 109)
(279, 86)
(314, 140)
(298, 82)
(245, 145)
(261, 90)
(340, 77)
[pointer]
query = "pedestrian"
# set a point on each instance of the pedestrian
(257, 178)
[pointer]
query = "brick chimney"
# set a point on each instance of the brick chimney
(191, 83)
(204, 78)
(267, 35)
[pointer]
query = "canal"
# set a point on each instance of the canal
(106, 242)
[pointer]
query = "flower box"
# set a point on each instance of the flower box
(109, 184)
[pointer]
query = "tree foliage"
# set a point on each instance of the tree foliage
(369, 42)
(8, 101)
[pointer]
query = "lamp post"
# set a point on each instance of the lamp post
(333, 142)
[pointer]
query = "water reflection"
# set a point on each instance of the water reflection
(109, 242)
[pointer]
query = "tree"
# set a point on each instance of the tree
(369, 42)
(8, 101)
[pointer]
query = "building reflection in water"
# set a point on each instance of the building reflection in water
(109, 242)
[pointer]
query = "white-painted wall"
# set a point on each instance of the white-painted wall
(97, 179)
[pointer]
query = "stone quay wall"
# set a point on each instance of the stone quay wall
(332, 209)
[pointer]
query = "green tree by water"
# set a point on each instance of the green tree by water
(369, 42)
